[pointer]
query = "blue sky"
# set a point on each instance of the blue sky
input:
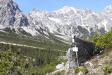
(52, 5)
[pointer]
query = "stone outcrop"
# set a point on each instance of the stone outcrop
(85, 52)
(85, 49)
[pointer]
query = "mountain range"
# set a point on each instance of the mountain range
(62, 23)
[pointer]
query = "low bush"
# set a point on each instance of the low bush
(81, 69)
(107, 69)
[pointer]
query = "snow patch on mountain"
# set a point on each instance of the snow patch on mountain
(55, 20)
(66, 9)
(32, 31)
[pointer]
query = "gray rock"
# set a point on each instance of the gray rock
(10, 15)
(85, 49)
(71, 58)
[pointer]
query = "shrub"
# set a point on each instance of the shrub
(104, 40)
(60, 73)
(81, 69)
(76, 70)
(107, 69)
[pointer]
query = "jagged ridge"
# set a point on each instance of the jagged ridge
(61, 23)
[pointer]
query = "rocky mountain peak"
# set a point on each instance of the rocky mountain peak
(108, 10)
(67, 9)
(9, 6)
(5, 1)
(10, 15)
(108, 7)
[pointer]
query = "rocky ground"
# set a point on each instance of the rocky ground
(98, 65)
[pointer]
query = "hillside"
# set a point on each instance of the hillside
(103, 41)
(98, 64)
(37, 42)
(101, 64)
(52, 42)
(41, 60)
(44, 52)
